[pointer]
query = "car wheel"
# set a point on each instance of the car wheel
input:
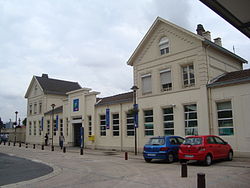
(208, 160)
(230, 156)
(170, 158)
(148, 160)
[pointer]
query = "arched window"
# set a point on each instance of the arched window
(164, 45)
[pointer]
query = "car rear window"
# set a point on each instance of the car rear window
(156, 141)
(192, 141)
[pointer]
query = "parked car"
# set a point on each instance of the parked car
(205, 148)
(162, 147)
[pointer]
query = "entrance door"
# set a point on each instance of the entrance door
(77, 134)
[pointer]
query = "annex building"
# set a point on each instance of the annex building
(188, 85)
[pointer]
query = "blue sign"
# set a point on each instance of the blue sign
(76, 105)
(136, 116)
(57, 122)
(107, 118)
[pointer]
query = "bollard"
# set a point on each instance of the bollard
(34, 146)
(4, 143)
(26, 145)
(14, 143)
(42, 147)
(64, 149)
(183, 170)
(20, 145)
(81, 151)
(126, 155)
(201, 182)
(0, 142)
(9, 144)
(52, 148)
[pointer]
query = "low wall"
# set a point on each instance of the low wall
(20, 134)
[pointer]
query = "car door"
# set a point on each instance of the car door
(174, 145)
(211, 146)
(222, 147)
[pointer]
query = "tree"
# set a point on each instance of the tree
(24, 121)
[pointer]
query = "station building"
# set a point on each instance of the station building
(187, 85)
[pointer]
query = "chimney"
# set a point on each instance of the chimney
(218, 41)
(207, 35)
(45, 76)
(200, 29)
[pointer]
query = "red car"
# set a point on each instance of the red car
(205, 148)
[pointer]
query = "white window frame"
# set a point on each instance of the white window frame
(102, 125)
(189, 129)
(30, 128)
(48, 127)
(225, 119)
(189, 81)
(90, 125)
(166, 86)
(168, 119)
(164, 45)
(130, 124)
(40, 127)
(116, 124)
(34, 130)
(146, 89)
(148, 125)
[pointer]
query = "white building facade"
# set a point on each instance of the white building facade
(178, 74)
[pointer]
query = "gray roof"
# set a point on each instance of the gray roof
(54, 86)
(116, 99)
(56, 111)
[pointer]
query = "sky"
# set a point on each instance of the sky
(89, 42)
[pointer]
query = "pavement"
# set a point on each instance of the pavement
(102, 168)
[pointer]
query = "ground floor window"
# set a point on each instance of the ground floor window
(168, 121)
(30, 125)
(61, 126)
(130, 124)
(225, 118)
(102, 125)
(115, 121)
(148, 123)
(90, 125)
(40, 128)
(48, 127)
(54, 127)
(67, 126)
(191, 123)
(34, 128)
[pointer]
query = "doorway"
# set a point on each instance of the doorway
(77, 134)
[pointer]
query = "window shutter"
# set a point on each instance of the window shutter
(165, 77)
(146, 84)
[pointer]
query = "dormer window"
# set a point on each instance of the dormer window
(164, 45)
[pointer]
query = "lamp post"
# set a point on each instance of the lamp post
(16, 112)
(53, 107)
(135, 113)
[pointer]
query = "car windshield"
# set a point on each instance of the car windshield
(156, 141)
(192, 141)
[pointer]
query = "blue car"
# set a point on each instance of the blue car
(162, 147)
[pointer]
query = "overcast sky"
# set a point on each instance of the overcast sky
(88, 41)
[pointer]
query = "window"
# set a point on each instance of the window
(115, 118)
(188, 75)
(164, 45)
(191, 123)
(48, 126)
(146, 84)
(130, 125)
(35, 91)
(35, 108)
(40, 108)
(148, 123)
(61, 126)
(90, 124)
(168, 121)
(67, 126)
(34, 128)
(40, 127)
(30, 109)
(166, 83)
(102, 125)
(54, 126)
(225, 118)
(218, 140)
(30, 124)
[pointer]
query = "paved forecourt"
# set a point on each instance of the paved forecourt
(98, 168)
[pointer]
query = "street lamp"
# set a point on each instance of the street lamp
(16, 112)
(135, 113)
(53, 107)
